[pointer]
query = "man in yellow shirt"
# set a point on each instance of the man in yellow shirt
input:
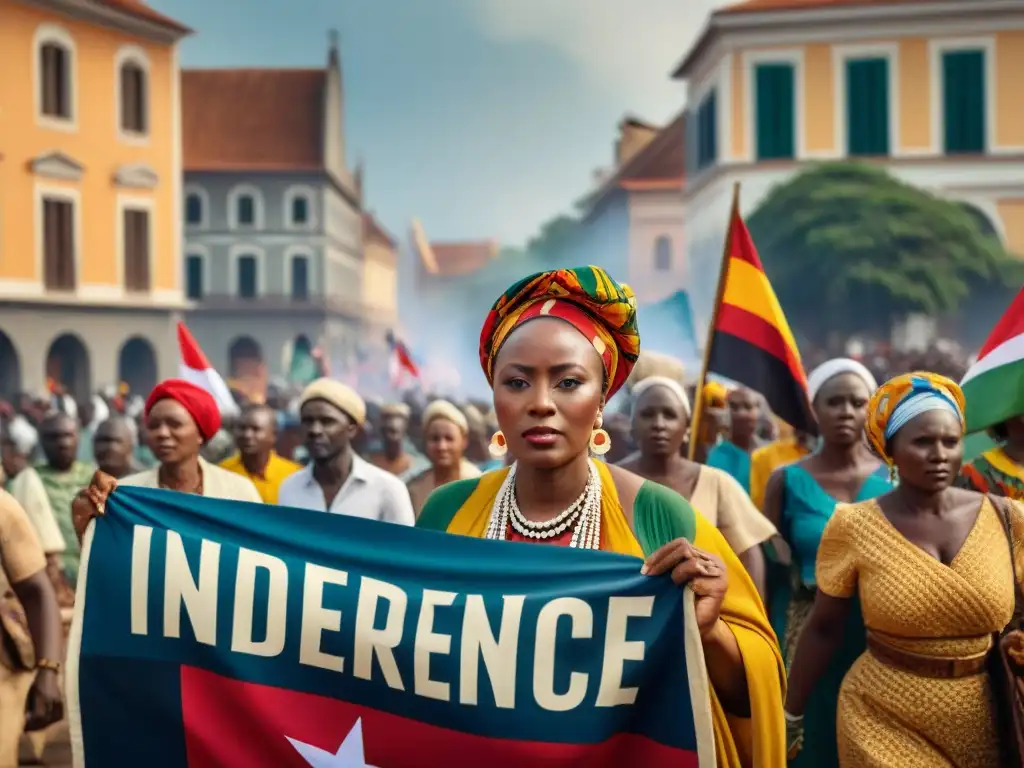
(255, 437)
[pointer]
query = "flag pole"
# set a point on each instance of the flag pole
(723, 274)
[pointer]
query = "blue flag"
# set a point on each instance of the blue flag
(216, 633)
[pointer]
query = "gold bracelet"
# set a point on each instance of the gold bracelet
(54, 666)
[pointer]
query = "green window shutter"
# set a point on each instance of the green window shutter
(775, 111)
(707, 131)
(867, 107)
(964, 101)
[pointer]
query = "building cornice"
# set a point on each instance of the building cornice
(113, 18)
(725, 31)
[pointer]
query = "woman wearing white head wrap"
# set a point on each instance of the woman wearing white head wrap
(17, 447)
(800, 499)
(661, 420)
(446, 436)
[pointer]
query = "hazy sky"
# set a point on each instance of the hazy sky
(481, 117)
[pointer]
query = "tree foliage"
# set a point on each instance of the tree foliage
(554, 237)
(849, 247)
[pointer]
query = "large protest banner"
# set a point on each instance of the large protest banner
(212, 633)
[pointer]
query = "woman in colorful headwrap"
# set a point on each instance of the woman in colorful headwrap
(799, 500)
(732, 455)
(179, 418)
(555, 347)
(931, 566)
(446, 435)
(661, 419)
(999, 470)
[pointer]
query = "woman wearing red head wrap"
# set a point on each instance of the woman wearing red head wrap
(180, 418)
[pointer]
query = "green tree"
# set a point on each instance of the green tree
(553, 239)
(848, 248)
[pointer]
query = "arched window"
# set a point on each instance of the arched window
(245, 207)
(663, 254)
(133, 91)
(246, 210)
(55, 74)
(300, 210)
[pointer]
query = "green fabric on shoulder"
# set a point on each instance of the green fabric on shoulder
(444, 502)
(661, 515)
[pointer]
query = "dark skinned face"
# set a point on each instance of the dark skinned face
(255, 432)
(392, 431)
(172, 432)
(548, 392)
(445, 443)
(841, 406)
(928, 451)
(327, 430)
(59, 438)
(744, 412)
(112, 445)
(659, 422)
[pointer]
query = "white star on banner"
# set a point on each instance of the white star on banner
(349, 755)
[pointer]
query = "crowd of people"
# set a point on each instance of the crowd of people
(847, 584)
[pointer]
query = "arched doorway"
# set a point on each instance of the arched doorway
(136, 366)
(10, 368)
(247, 369)
(67, 364)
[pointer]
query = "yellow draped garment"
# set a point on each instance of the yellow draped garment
(889, 718)
(754, 742)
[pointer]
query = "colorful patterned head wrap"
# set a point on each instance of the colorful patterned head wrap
(902, 398)
(715, 394)
(585, 297)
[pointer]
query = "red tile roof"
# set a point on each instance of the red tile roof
(252, 119)
(140, 10)
(451, 259)
(373, 229)
(659, 165)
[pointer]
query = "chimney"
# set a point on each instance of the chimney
(634, 135)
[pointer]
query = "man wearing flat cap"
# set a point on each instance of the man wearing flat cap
(336, 479)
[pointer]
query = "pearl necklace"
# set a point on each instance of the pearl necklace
(583, 515)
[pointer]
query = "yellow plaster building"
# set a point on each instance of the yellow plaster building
(930, 91)
(90, 191)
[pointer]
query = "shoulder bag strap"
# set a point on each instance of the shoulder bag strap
(1002, 508)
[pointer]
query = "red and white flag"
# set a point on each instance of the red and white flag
(196, 369)
(401, 366)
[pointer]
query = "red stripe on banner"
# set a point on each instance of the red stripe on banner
(762, 334)
(741, 244)
(232, 723)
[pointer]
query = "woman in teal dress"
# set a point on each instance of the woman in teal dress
(733, 455)
(800, 500)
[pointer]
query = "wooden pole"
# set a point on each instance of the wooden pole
(723, 275)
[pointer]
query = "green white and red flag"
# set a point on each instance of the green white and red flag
(994, 385)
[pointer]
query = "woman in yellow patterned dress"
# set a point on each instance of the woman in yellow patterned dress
(931, 565)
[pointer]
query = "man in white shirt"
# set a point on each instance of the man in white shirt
(336, 480)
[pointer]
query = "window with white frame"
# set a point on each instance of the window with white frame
(55, 73)
(245, 207)
(247, 276)
(300, 210)
(134, 97)
(194, 209)
(59, 244)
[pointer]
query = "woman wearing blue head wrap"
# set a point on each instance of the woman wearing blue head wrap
(931, 566)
